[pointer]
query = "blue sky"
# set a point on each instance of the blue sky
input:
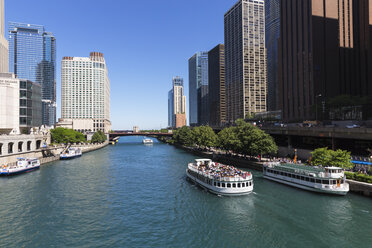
(145, 44)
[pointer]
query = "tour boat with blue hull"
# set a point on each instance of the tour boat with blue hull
(329, 180)
(71, 153)
(23, 165)
(220, 179)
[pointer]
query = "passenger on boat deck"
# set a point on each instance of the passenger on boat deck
(220, 170)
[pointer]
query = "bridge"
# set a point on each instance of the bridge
(116, 134)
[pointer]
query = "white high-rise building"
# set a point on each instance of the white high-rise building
(177, 104)
(245, 58)
(4, 45)
(85, 94)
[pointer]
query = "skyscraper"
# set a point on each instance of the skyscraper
(272, 31)
(86, 93)
(4, 46)
(176, 104)
(198, 76)
(245, 57)
(217, 92)
(32, 56)
(325, 51)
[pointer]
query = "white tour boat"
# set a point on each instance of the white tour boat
(329, 180)
(71, 153)
(220, 179)
(23, 165)
(147, 141)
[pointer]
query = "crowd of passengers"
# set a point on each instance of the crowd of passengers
(220, 170)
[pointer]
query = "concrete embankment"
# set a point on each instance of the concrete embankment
(362, 188)
(52, 153)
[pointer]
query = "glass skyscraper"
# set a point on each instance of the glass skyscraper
(272, 26)
(32, 56)
(198, 76)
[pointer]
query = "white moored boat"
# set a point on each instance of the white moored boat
(23, 165)
(71, 153)
(220, 179)
(147, 141)
(330, 180)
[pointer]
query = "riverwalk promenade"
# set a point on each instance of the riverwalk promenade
(50, 154)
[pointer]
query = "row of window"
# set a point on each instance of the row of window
(303, 178)
(218, 184)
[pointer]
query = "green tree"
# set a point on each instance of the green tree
(184, 136)
(65, 135)
(253, 140)
(325, 157)
(98, 137)
(204, 136)
(228, 139)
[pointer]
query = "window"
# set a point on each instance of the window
(239, 185)
(234, 185)
(318, 181)
(312, 180)
(223, 185)
(243, 185)
(229, 185)
(219, 184)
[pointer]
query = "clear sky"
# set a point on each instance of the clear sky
(145, 44)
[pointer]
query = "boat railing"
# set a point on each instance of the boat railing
(236, 178)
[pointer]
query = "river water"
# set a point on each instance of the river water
(135, 195)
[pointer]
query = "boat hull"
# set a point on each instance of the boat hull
(215, 190)
(69, 157)
(18, 172)
(305, 187)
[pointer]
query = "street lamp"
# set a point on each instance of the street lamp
(316, 107)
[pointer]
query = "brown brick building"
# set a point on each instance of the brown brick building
(325, 50)
(180, 120)
(217, 92)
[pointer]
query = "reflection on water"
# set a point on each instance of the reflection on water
(136, 195)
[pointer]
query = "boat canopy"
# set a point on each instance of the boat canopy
(203, 160)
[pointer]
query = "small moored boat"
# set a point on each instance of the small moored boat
(23, 165)
(220, 179)
(330, 180)
(147, 141)
(71, 153)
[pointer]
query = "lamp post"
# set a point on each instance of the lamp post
(316, 107)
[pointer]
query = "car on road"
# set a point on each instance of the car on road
(353, 126)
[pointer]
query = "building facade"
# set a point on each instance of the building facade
(30, 105)
(198, 76)
(325, 52)
(9, 103)
(176, 104)
(32, 56)
(217, 91)
(4, 46)
(86, 91)
(20, 104)
(272, 32)
(245, 57)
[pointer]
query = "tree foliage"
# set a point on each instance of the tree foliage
(204, 136)
(99, 137)
(65, 135)
(243, 138)
(325, 157)
(184, 136)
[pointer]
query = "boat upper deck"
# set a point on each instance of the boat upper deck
(220, 172)
(315, 171)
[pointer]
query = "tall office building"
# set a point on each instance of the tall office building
(272, 31)
(32, 56)
(176, 104)
(4, 46)
(325, 51)
(217, 92)
(198, 76)
(245, 57)
(85, 93)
